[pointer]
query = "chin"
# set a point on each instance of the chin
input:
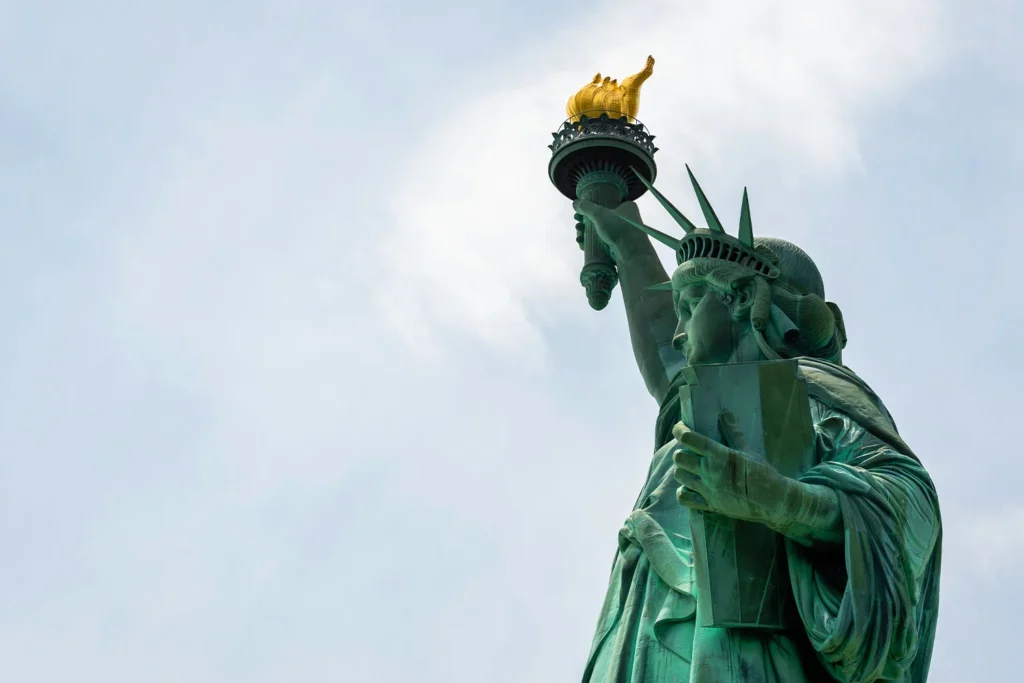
(696, 359)
(700, 358)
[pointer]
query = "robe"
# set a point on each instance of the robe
(868, 608)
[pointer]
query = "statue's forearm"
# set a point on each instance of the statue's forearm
(650, 315)
(810, 515)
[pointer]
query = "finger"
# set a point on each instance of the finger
(688, 460)
(701, 444)
(690, 480)
(580, 228)
(678, 429)
(691, 499)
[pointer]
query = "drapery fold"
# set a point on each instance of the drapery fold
(870, 621)
(868, 606)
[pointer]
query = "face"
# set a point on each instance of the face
(707, 332)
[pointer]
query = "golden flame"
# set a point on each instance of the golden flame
(608, 97)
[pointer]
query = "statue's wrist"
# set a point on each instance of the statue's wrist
(809, 514)
(633, 251)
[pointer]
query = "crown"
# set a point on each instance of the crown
(606, 96)
(711, 242)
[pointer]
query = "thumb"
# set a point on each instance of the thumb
(630, 210)
(594, 212)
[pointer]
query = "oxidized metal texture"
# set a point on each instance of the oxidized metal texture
(599, 280)
(785, 533)
(602, 144)
(707, 244)
(603, 126)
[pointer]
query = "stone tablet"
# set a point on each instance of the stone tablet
(741, 572)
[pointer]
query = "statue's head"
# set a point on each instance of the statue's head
(743, 299)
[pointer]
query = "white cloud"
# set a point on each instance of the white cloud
(989, 543)
(484, 244)
(247, 288)
(262, 485)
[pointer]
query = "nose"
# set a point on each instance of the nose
(679, 340)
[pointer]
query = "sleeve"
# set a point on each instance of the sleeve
(871, 613)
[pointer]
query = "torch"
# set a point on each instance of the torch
(594, 156)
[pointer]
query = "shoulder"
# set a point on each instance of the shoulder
(836, 431)
(840, 390)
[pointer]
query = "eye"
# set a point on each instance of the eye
(688, 304)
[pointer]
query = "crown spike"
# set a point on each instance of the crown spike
(676, 214)
(667, 240)
(746, 227)
(714, 224)
(661, 286)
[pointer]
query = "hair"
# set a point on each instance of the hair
(821, 333)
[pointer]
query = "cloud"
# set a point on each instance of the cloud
(988, 543)
(221, 466)
(484, 244)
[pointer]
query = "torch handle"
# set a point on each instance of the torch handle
(599, 275)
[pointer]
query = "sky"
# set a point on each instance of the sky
(299, 382)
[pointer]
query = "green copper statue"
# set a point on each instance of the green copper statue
(731, 566)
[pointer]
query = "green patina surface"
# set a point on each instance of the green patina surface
(785, 531)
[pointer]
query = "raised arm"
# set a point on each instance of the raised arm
(649, 313)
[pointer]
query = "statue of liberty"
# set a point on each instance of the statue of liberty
(861, 527)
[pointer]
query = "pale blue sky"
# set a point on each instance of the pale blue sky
(299, 383)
